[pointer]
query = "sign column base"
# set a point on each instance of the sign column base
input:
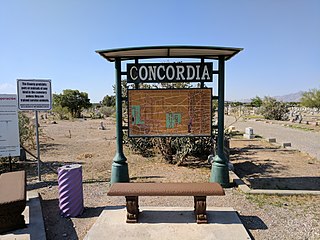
(220, 172)
(119, 170)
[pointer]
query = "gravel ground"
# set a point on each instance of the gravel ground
(265, 217)
(305, 141)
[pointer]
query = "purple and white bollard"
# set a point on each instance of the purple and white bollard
(70, 190)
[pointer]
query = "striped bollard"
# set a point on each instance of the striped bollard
(70, 190)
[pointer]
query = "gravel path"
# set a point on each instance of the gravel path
(304, 141)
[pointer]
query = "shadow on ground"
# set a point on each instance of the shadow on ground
(90, 212)
(252, 223)
(248, 168)
(31, 168)
(65, 225)
(37, 185)
(146, 178)
(266, 173)
(286, 183)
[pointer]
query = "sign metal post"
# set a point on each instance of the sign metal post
(219, 170)
(38, 144)
(119, 171)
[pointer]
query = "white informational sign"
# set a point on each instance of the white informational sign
(9, 128)
(34, 94)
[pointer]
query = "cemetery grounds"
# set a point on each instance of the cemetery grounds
(257, 162)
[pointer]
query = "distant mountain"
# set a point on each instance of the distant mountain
(293, 97)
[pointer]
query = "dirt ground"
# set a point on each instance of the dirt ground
(267, 166)
(259, 163)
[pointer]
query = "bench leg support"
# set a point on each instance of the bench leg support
(132, 209)
(200, 207)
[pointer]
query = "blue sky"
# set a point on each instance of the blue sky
(57, 39)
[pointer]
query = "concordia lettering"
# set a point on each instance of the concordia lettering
(169, 72)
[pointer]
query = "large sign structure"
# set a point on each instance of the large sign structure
(9, 128)
(138, 72)
(169, 112)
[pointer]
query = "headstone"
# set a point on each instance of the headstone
(248, 133)
(272, 140)
(232, 128)
(286, 145)
(102, 126)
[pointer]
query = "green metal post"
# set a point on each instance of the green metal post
(219, 169)
(119, 171)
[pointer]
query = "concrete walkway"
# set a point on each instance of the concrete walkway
(304, 141)
(167, 223)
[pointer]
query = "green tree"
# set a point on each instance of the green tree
(273, 109)
(61, 112)
(73, 100)
(311, 98)
(256, 102)
(109, 101)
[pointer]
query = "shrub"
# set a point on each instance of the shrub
(174, 150)
(26, 131)
(62, 112)
(144, 146)
(273, 109)
(107, 111)
(177, 149)
(311, 98)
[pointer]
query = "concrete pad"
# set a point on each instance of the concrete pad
(34, 221)
(167, 223)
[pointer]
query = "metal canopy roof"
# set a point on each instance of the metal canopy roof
(206, 52)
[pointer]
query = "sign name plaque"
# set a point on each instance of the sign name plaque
(169, 72)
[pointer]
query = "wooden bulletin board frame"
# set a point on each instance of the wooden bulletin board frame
(170, 112)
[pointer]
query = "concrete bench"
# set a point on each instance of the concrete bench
(12, 200)
(198, 190)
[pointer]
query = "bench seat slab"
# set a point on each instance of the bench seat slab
(166, 189)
